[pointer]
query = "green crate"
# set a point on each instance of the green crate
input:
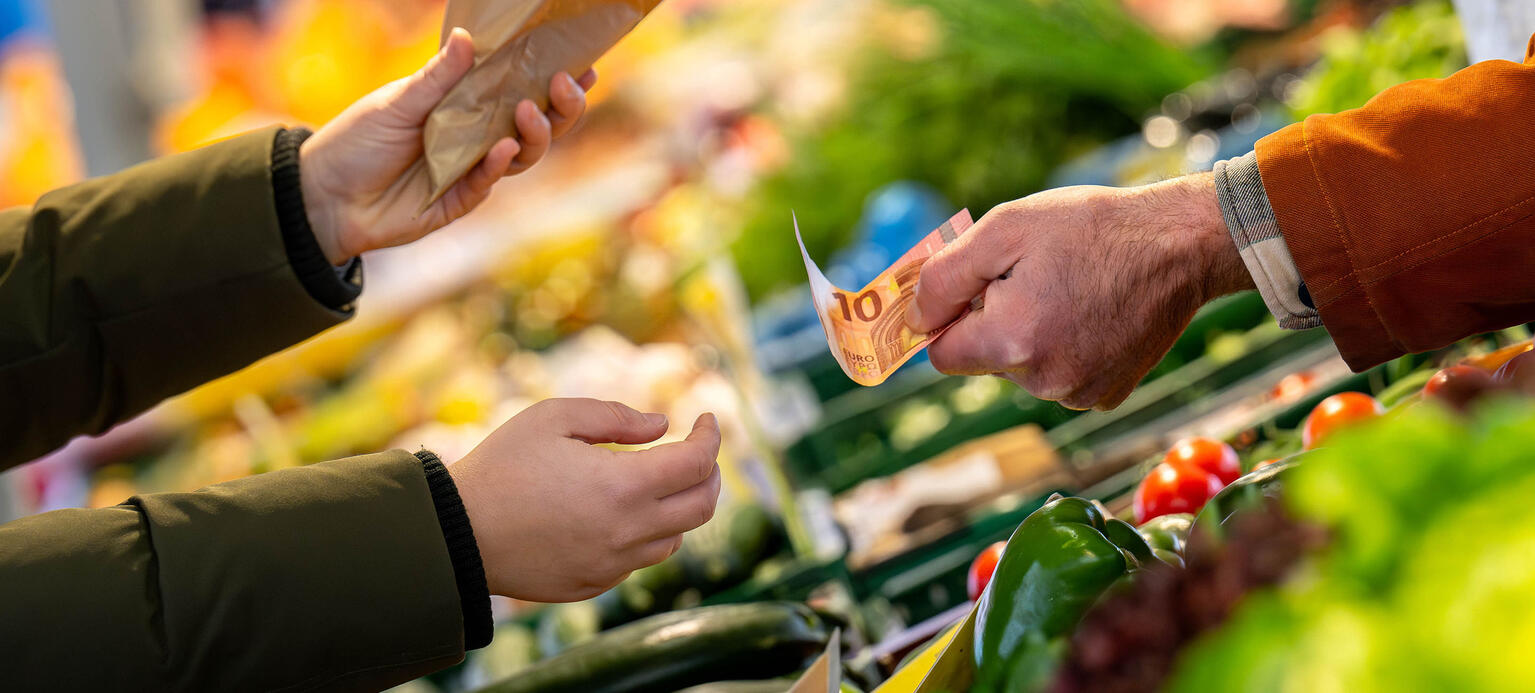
(930, 579)
(795, 583)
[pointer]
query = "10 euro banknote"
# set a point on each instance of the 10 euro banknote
(867, 329)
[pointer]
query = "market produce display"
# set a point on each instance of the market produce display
(1132, 639)
(1250, 508)
(1335, 412)
(1415, 618)
(1059, 561)
(1462, 385)
(1212, 456)
(981, 570)
(682, 648)
(1263, 483)
(1168, 536)
(1135, 624)
(1172, 489)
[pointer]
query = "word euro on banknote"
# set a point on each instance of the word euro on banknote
(866, 329)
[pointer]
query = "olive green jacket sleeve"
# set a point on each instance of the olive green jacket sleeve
(120, 291)
(333, 576)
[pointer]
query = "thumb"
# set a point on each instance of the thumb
(958, 273)
(596, 421)
(426, 88)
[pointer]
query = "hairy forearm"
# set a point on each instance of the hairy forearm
(1187, 208)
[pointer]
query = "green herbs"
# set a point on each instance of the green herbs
(1419, 41)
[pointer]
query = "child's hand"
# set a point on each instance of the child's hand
(361, 185)
(558, 518)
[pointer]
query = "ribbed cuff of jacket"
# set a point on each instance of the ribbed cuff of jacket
(473, 593)
(1250, 219)
(336, 288)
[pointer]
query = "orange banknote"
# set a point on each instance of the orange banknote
(866, 329)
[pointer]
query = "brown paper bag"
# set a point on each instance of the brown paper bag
(519, 45)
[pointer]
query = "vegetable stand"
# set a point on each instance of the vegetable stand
(640, 263)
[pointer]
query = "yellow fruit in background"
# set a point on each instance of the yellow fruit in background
(657, 33)
(111, 491)
(325, 55)
(417, 44)
(208, 119)
(39, 152)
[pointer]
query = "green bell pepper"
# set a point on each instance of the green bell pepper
(1124, 536)
(1247, 491)
(1057, 563)
(1168, 532)
(1171, 558)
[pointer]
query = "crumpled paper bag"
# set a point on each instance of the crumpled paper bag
(519, 45)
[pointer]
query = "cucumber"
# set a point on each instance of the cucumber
(683, 648)
(768, 686)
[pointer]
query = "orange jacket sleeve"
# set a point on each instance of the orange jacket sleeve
(1412, 219)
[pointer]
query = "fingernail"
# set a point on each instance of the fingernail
(575, 88)
(914, 317)
(657, 420)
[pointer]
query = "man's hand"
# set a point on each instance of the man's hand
(361, 175)
(559, 519)
(1098, 284)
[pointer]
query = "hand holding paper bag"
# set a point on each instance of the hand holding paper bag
(520, 45)
(364, 176)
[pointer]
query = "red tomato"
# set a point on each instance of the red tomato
(1447, 377)
(1459, 386)
(982, 568)
(1292, 387)
(1208, 454)
(1338, 411)
(1174, 488)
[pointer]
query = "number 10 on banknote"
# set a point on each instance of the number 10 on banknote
(866, 329)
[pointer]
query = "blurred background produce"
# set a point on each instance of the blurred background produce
(650, 260)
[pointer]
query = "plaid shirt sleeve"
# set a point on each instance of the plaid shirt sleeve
(1250, 219)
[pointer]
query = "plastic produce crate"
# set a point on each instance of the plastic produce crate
(796, 582)
(930, 579)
